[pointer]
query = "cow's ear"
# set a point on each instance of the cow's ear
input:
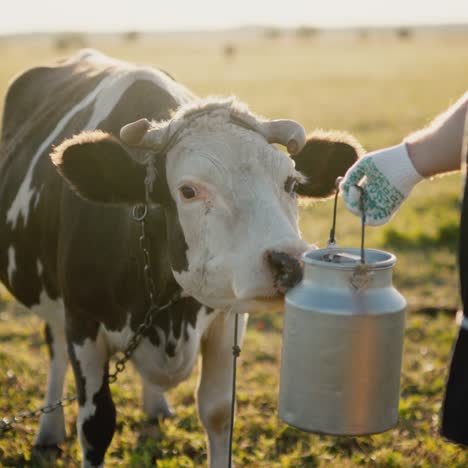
(98, 168)
(325, 156)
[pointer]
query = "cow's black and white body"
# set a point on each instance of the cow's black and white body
(216, 212)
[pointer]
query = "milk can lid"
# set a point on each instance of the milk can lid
(348, 257)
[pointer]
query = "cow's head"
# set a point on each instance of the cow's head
(230, 197)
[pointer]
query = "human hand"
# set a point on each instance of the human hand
(387, 177)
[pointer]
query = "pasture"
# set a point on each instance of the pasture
(379, 89)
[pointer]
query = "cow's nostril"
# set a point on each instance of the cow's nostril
(287, 270)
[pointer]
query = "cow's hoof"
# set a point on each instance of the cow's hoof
(45, 455)
(164, 413)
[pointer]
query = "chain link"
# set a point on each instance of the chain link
(139, 213)
(6, 424)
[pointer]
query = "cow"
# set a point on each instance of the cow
(85, 140)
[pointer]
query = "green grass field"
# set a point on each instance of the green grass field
(379, 89)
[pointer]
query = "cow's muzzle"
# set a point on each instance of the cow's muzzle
(286, 269)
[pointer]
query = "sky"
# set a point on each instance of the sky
(156, 15)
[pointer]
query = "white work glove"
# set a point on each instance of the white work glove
(387, 177)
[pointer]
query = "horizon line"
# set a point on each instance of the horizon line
(240, 27)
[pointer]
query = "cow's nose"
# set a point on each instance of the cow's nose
(286, 270)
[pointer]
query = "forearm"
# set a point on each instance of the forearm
(438, 148)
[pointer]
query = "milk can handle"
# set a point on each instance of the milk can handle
(332, 240)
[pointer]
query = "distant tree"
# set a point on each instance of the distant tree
(404, 33)
(307, 32)
(363, 34)
(273, 33)
(229, 51)
(131, 36)
(72, 40)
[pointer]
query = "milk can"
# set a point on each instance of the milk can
(342, 343)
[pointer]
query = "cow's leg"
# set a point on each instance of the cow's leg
(52, 425)
(215, 387)
(96, 416)
(154, 402)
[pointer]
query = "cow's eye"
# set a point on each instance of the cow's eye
(291, 186)
(188, 192)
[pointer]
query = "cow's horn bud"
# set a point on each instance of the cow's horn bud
(133, 133)
(286, 132)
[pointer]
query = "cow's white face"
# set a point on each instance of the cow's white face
(229, 195)
(236, 201)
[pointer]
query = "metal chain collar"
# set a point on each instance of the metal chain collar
(139, 213)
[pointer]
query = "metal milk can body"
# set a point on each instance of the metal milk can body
(342, 345)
